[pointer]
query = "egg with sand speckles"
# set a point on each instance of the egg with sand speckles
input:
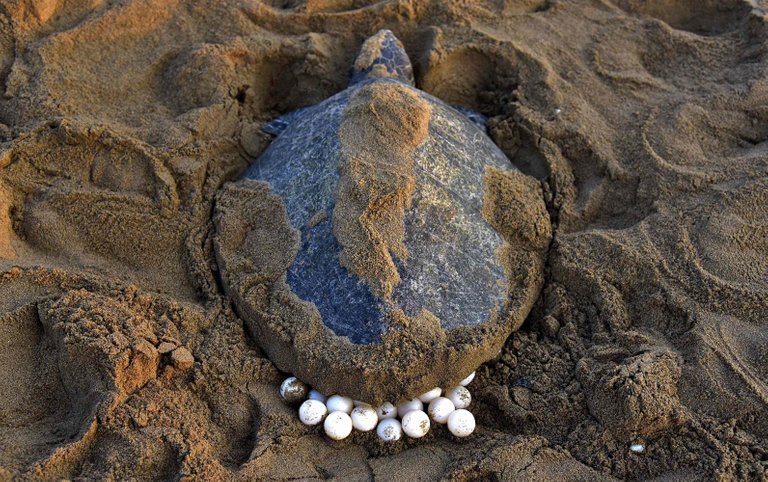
(338, 425)
(389, 430)
(364, 418)
(386, 410)
(460, 396)
(415, 424)
(312, 412)
(461, 423)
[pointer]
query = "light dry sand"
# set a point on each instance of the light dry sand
(645, 121)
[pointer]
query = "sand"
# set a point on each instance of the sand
(643, 123)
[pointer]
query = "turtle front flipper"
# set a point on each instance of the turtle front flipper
(477, 118)
(382, 56)
(277, 125)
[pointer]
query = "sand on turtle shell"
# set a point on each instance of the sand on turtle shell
(376, 181)
(644, 122)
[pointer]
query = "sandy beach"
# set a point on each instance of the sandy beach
(643, 124)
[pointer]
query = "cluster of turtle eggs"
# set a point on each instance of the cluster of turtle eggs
(340, 414)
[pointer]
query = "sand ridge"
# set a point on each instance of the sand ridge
(643, 121)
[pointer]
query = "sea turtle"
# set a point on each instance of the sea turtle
(401, 267)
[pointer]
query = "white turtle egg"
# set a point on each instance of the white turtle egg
(338, 425)
(364, 418)
(461, 423)
(430, 395)
(440, 408)
(460, 396)
(339, 403)
(312, 412)
(467, 380)
(389, 430)
(416, 424)
(637, 448)
(409, 406)
(293, 390)
(386, 410)
(315, 395)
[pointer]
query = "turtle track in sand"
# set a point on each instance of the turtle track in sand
(37, 414)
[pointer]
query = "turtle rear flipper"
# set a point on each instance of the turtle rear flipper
(382, 56)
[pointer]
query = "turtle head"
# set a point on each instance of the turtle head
(382, 56)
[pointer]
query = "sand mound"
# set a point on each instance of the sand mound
(645, 122)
